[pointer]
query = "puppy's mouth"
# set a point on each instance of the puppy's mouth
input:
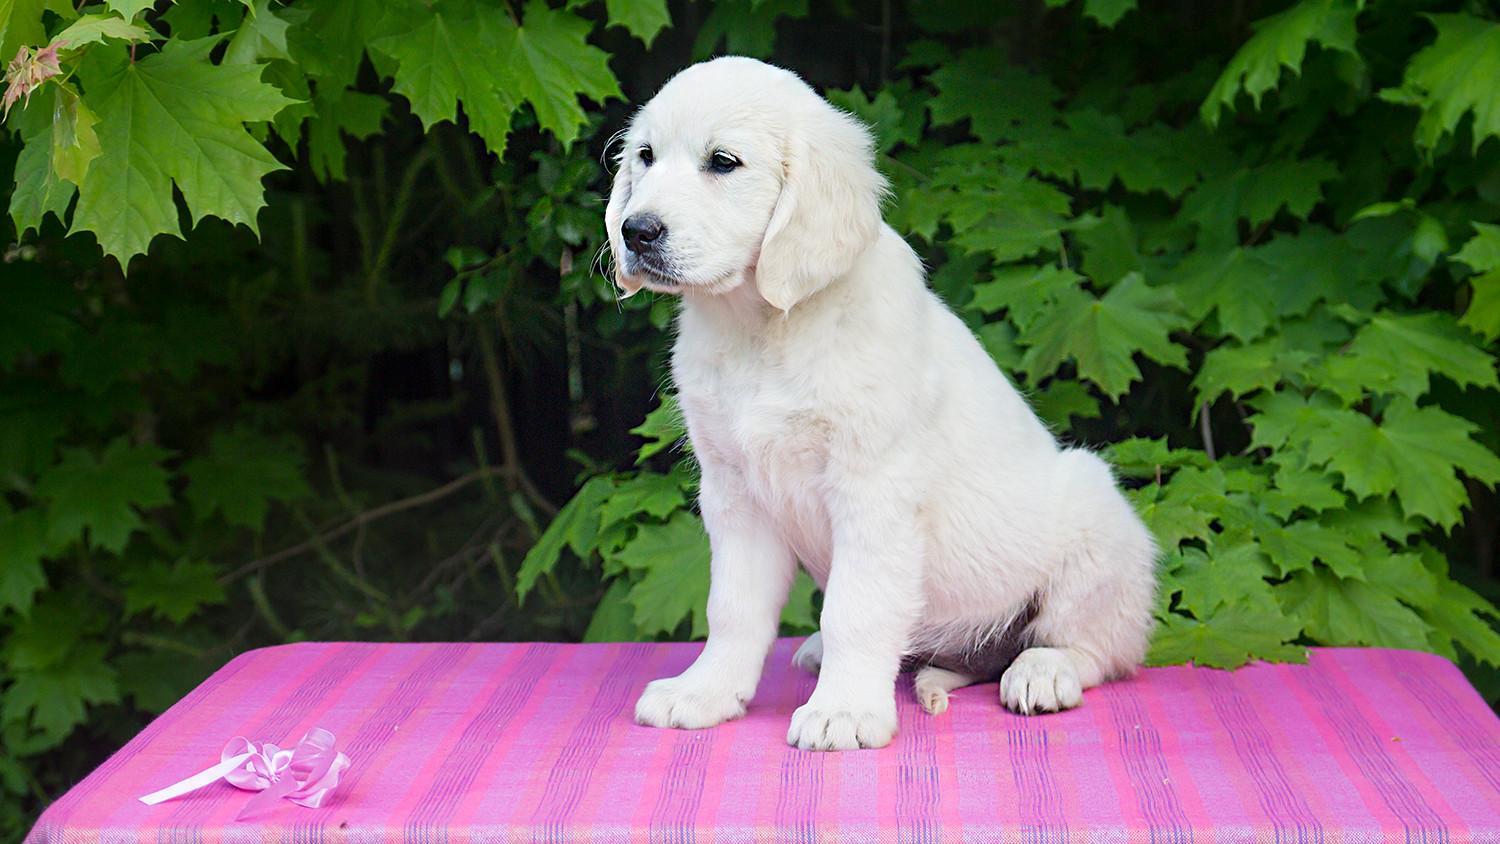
(663, 276)
(654, 277)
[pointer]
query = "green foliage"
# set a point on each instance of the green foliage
(1255, 261)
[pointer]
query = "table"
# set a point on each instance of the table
(534, 742)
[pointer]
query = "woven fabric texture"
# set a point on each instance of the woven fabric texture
(460, 743)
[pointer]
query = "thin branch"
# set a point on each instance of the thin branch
(361, 519)
(511, 467)
(1207, 431)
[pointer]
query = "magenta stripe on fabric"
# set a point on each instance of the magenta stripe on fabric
(481, 743)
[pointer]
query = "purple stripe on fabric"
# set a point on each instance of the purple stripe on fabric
(1141, 752)
(1368, 751)
(917, 777)
(456, 774)
(1289, 814)
(1031, 766)
(799, 793)
(573, 770)
(679, 801)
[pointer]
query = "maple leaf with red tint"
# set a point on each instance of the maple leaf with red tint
(27, 71)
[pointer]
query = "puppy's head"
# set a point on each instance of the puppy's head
(738, 171)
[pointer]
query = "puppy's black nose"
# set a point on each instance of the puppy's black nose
(641, 233)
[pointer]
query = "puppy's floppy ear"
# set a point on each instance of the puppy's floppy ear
(619, 197)
(828, 211)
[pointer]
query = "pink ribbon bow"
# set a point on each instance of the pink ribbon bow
(304, 775)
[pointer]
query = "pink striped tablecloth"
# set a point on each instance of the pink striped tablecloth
(535, 742)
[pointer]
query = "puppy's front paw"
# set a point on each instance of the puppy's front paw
(675, 702)
(809, 655)
(1040, 680)
(815, 727)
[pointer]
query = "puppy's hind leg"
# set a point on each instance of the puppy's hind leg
(1094, 623)
(809, 655)
(932, 685)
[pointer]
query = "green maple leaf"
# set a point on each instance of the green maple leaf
(174, 118)
(23, 544)
(1231, 572)
(439, 69)
(745, 27)
(1095, 149)
(334, 115)
(1457, 611)
(52, 700)
(130, 8)
(642, 18)
(1453, 77)
(995, 95)
(1256, 195)
(663, 428)
(58, 149)
(1482, 316)
(242, 474)
(1280, 41)
(22, 23)
(1232, 636)
(1345, 611)
(552, 65)
(261, 35)
(674, 557)
(175, 592)
(1398, 353)
(1024, 290)
(93, 29)
(575, 526)
(1482, 253)
(1299, 487)
(648, 493)
(1290, 274)
(1103, 335)
(1241, 369)
(1107, 12)
(330, 44)
(1414, 453)
(546, 62)
(612, 620)
(101, 494)
(1298, 545)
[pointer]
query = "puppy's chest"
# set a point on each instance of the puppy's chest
(771, 430)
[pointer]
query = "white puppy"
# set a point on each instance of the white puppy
(846, 419)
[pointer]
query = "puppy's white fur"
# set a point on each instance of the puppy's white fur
(843, 417)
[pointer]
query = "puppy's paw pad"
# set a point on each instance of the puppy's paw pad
(815, 728)
(809, 655)
(678, 704)
(1040, 680)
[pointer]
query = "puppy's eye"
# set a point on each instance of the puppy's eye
(646, 156)
(722, 162)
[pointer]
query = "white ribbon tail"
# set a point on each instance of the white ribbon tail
(196, 781)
